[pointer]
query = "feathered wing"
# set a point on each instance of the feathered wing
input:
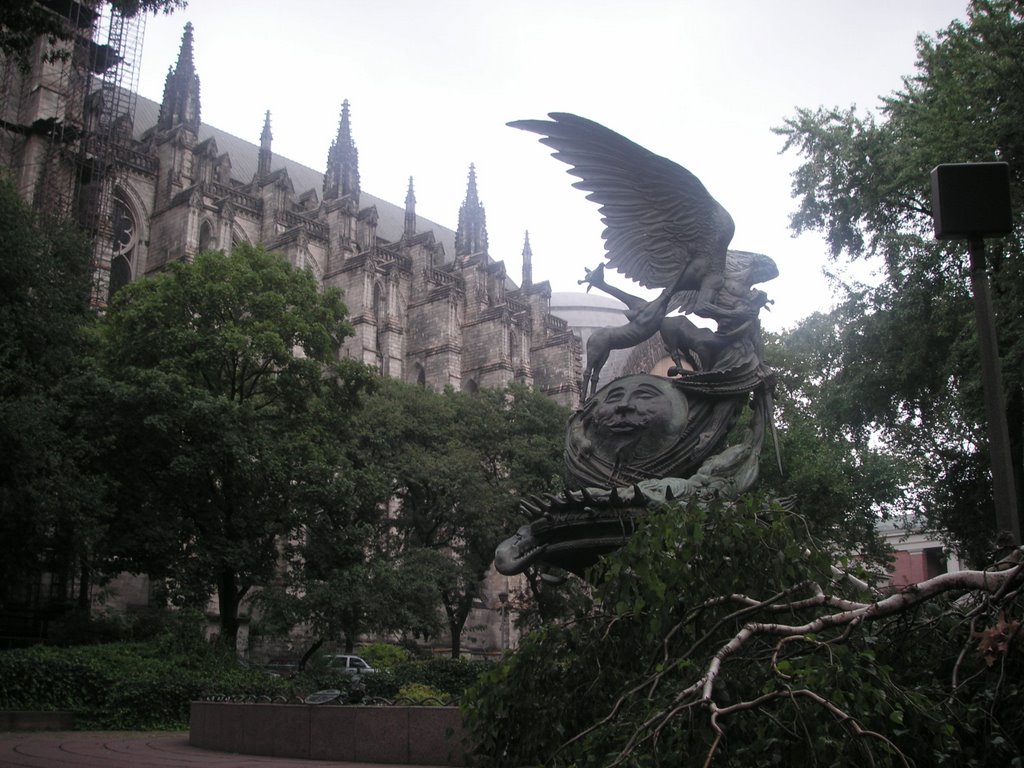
(659, 219)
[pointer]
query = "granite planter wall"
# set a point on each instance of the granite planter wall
(36, 721)
(400, 735)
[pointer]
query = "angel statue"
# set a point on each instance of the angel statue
(643, 439)
(662, 229)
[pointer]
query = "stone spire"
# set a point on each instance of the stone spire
(342, 176)
(471, 235)
(180, 105)
(263, 164)
(527, 262)
(410, 211)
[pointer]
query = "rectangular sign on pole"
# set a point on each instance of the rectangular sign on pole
(971, 200)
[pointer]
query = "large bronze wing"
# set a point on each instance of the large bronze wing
(660, 221)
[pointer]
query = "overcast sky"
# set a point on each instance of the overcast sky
(432, 84)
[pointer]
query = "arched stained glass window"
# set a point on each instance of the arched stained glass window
(125, 238)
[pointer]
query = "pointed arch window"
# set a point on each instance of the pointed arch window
(125, 239)
(205, 236)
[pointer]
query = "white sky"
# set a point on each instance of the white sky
(432, 84)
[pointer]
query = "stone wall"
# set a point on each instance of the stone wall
(396, 735)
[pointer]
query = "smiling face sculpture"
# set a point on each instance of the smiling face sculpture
(635, 418)
(633, 429)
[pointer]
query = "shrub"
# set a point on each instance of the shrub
(124, 685)
(422, 695)
(452, 676)
(449, 676)
(383, 655)
(82, 628)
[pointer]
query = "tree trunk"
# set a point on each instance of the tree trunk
(1015, 422)
(456, 633)
(85, 578)
(309, 653)
(350, 627)
(457, 610)
(227, 602)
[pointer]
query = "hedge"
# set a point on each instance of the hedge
(118, 686)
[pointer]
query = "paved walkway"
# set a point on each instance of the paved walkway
(131, 749)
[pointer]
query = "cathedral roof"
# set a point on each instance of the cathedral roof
(244, 163)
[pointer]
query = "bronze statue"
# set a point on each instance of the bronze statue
(663, 229)
(642, 440)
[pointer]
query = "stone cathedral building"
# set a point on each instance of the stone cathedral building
(153, 184)
(429, 305)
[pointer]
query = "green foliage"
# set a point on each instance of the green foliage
(83, 627)
(418, 694)
(451, 677)
(383, 655)
(122, 686)
(448, 468)
(228, 420)
(51, 501)
(346, 579)
(622, 684)
(842, 482)
(898, 362)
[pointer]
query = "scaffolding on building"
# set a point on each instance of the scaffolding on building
(111, 103)
(63, 120)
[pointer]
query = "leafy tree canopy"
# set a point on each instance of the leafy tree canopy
(48, 496)
(899, 359)
(440, 475)
(459, 462)
(228, 417)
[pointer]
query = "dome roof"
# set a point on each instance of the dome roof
(587, 310)
(585, 300)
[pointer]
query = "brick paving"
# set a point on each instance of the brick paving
(120, 749)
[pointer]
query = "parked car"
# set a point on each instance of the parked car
(350, 665)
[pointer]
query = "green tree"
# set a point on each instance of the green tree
(49, 498)
(341, 591)
(347, 576)
(458, 464)
(840, 481)
(904, 368)
(227, 421)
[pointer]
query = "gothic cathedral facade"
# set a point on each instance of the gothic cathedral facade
(428, 305)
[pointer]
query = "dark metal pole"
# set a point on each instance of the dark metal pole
(1007, 522)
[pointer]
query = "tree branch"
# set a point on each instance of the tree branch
(994, 583)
